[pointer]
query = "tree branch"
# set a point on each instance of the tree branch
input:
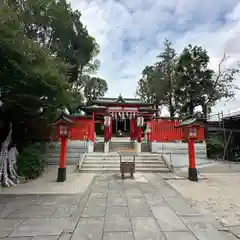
(219, 73)
(219, 69)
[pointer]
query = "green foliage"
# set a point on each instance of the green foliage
(43, 63)
(30, 162)
(194, 83)
(184, 81)
(215, 146)
(94, 88)
(156, 84)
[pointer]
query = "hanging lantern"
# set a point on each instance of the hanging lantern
(107, 121)
(140, 121)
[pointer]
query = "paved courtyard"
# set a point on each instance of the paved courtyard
(215, 195)
(110, 209)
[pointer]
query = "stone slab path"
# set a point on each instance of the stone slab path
(111, 209)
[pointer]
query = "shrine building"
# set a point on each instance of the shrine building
(123, 113)
(130, 118)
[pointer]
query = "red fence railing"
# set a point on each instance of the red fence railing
(165, 130)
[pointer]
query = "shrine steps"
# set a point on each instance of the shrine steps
(75, 151)
(115, 145)
(145, 162)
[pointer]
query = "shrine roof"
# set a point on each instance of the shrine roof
(94, 106)
(119, 100)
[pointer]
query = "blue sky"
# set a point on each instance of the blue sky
(131, 33)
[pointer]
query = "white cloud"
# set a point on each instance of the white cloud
(131, 33)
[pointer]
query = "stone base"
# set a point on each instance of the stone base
(192, 174)
(62, 175)
(90, 146)
(137, 147)
(106, 147)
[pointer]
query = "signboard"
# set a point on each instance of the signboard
(130, 109)
(115, 108)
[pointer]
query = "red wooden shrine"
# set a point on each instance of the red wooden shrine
(124, 113)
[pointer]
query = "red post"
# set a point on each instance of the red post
(192, 171)
(62, 172)
(63, 152)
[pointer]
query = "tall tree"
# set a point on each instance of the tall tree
(69, 41)
(44, 63)
(95, 87)
(194, 78)
(147, 86)
(200, 85)
(157, 82)
(167, 65)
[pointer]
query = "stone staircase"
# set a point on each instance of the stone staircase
(114, 146)
(145, 147)
(76, 149)
(145, 162)
(99, 147)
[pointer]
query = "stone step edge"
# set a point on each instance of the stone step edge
(117, 166)
(165, 170)
(117, 160)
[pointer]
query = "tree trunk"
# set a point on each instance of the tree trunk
(191, 108)
(157, 107)
(8, 156)
(171, 108)
(205, 111)
(170, 100)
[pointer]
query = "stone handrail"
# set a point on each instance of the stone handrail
(168, 163)
(81, 160)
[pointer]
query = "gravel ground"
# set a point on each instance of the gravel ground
(218, 196)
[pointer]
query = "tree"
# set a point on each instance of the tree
(157, 83)
(31, 81)
(185, 81)
(223, 85)
(198, 84)
(94, 88)
(34, 85)
(43, 65)
(167, 64)
(194, 78)
(69, 41)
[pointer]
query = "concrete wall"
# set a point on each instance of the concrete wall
(178, 148)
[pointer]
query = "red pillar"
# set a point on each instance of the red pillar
(63, 152)
(106, 133)
(192, 171)
(62, 165)
(110, 129)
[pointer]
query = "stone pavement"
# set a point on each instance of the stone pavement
(47, 184)
(111, 209)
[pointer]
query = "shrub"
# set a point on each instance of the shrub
(30, 162)
(215, 146)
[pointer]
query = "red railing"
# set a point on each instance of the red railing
(165, 130)
(82, 129)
